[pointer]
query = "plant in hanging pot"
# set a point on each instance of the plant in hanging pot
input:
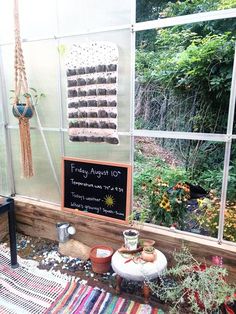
(25, 103)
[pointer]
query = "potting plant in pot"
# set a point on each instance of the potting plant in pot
(21, 107)
(193, 287)
(131, 239)
(146, 242)
(148, 254)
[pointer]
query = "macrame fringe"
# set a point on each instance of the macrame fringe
(26, 154)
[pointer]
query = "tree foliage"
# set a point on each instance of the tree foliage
(183, 83)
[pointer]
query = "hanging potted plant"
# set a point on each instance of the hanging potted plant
(21, 107)
(22, 110)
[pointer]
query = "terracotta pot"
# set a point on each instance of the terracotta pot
(100, 256)
(20, 110)
(146, 242)
(148, 254)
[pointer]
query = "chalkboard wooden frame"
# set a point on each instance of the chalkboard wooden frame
(88, 162)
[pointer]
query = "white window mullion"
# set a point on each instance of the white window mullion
(186, 19)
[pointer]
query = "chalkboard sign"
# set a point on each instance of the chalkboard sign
(94, 188)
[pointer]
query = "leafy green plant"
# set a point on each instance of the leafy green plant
(155, 193)
(199, 287)
(212, 179)
(35, 95)
(189, 70)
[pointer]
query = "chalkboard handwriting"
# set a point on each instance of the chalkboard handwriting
(92, 199)
(113, 188)
(119, 214)
(96, 186)
(97, 210)
(76, 205)
(73, 182)
(82, 197)
(93, 172)
(99, 173)
(74, 168)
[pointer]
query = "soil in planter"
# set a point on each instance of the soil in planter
(130, 233)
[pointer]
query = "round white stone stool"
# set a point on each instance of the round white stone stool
(132, 268)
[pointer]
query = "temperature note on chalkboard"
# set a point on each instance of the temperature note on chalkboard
(100, 189)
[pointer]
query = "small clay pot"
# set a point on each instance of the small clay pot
(148, 254)
(101, 264)
(146, 242)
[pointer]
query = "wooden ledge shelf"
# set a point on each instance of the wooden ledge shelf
(39, 219)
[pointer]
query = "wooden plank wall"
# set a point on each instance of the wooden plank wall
(3, 226)
(39, 220)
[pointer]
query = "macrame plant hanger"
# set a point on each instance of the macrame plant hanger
(22, 111)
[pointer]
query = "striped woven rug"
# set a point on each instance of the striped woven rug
(81, 299)
(29, 290)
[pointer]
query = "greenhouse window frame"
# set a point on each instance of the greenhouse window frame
(224, 138)
(134, 28)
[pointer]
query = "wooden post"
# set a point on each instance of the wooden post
(118, 284)
(146, 292)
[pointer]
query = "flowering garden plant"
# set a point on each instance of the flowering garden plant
(209, 216)
(193, 287)
(168, 205)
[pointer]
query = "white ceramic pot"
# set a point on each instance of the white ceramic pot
(131, 239)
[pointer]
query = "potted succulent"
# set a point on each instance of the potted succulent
(131, 239)
(148, 254)
(193, 287)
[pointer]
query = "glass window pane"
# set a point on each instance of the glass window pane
(230, 210)
(42, 185)
(41, 61)
(122, 40)
(6, 21)
(152, 9)
(183, 77)
(37, 19)
(177, 183)
(104, 152)
(76, 16)
(4, 184)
